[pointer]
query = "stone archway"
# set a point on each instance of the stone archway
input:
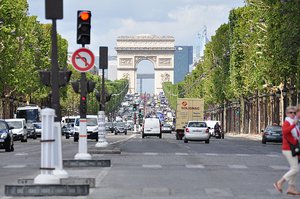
(159, 50)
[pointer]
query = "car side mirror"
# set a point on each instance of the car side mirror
(208, 127)
(11, 127)
(262, 130)
(25, 127)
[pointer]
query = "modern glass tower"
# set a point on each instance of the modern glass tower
(183, 58)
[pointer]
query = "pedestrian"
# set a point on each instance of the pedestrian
(290, 134)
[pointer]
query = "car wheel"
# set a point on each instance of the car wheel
(75, 139)
(9, 148)
(143, 136)
(67, 136)
(206, 141)
(23, 139)
(125, 133)
(116, 133)
(263, 141)
(97, 139)
(34, 137)
(222, 135)
(160, 136)
(185, 141)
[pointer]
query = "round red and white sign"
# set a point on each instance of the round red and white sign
(83, 59)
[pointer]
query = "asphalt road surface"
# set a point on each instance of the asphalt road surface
(164, 168)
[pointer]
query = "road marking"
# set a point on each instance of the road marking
(211, 154)
(196, 166)
(152, 166)
(237, 166)
(181, 154)
(21, 154)
(148, 153)
(123, 140)
(277, 167)
(100, 177)
(14, 166)
(242, 155)
(273, 155)
(219, 192)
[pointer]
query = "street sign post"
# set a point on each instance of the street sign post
(83, 59)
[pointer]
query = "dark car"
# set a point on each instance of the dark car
(272, 133)
(120, 127)
(6, 137)
(109, 126)
(68, 130)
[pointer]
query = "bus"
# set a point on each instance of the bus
(31, 113)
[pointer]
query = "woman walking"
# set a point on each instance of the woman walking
(290, 134)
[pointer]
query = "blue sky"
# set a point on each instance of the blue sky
(182, 19)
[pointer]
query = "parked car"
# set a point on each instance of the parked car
(130, 125)
(6, 136)
(38, 128)
(91, 127)
(68, 130)
(272, 133)
(166, 128)
(31, 133)
(120, 127)
(109, 126)
(196, 131)
(151, 127)
(19, 129)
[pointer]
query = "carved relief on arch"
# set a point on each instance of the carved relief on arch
(165, 77)
(125, 61)
(138, 59)
(164, 61)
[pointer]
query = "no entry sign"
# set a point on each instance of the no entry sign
(83, 59)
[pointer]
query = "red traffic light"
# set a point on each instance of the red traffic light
(83, 98)
(84, 15)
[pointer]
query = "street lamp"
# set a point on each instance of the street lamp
(284, 94)
(293, 96)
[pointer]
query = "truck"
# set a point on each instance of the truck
(188, 109)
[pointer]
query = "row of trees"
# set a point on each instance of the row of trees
(257, 51)
(25, 48)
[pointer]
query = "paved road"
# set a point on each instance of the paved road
(167, 168)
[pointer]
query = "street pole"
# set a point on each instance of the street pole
(82, 141)
(57, 150)
(102, 142)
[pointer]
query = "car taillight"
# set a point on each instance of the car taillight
(207, 130)
(187, 130)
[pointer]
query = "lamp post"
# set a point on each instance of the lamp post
(293, 95)
(278, 95)
(284, 95)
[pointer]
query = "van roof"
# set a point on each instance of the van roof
(11, 120)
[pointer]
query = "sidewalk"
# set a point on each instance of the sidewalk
(243, 135)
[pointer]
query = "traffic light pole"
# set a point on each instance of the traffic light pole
(82, 141)
(102, 142)
(57, 149)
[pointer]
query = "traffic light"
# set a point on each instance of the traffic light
(83, 26)
(45, 77)
(90, 86)
(75, 86)
(64, 78)
(134, 107)
(83, 104)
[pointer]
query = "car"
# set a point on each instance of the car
(120, 127)
(31, 133)
(130, 125)
(110, 126)
(272, 133)
(68, 130)
(151, 127)
(91, 127)
(6, 136)
(166, 128)
(38, 128)
(196, 131)
(19, 129)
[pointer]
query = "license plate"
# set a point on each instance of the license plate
(1, 140)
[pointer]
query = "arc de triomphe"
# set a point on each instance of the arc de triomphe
(133, 49)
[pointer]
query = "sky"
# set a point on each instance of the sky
(182, 19)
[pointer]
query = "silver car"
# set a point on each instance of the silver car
(196, 131)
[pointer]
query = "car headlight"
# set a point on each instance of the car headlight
(4, 135)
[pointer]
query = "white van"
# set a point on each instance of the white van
(91, 127)
(151, 127)
(19, 130)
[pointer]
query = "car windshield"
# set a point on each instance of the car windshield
(37, 126)
(120, 124)
(2, 126)
(197, 124)
(167, 125)
(15, 124)
(91, 122)
(274, 128)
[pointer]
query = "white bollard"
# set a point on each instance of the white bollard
(101, 130)
(58, 165)
(47, 144)
(82, 142)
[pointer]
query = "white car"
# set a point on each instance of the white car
(151, 127)
(19, 131)
(196, 131)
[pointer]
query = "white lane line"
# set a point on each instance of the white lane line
(16, 166)
(21, 154)
(152, 166)
(123, 140)
(211, 154)
(237, 166)
(242, 155)
(196, 166)
(273, 155)
(277, 167)
(181, 154)
(100, 177)
(148, 153)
